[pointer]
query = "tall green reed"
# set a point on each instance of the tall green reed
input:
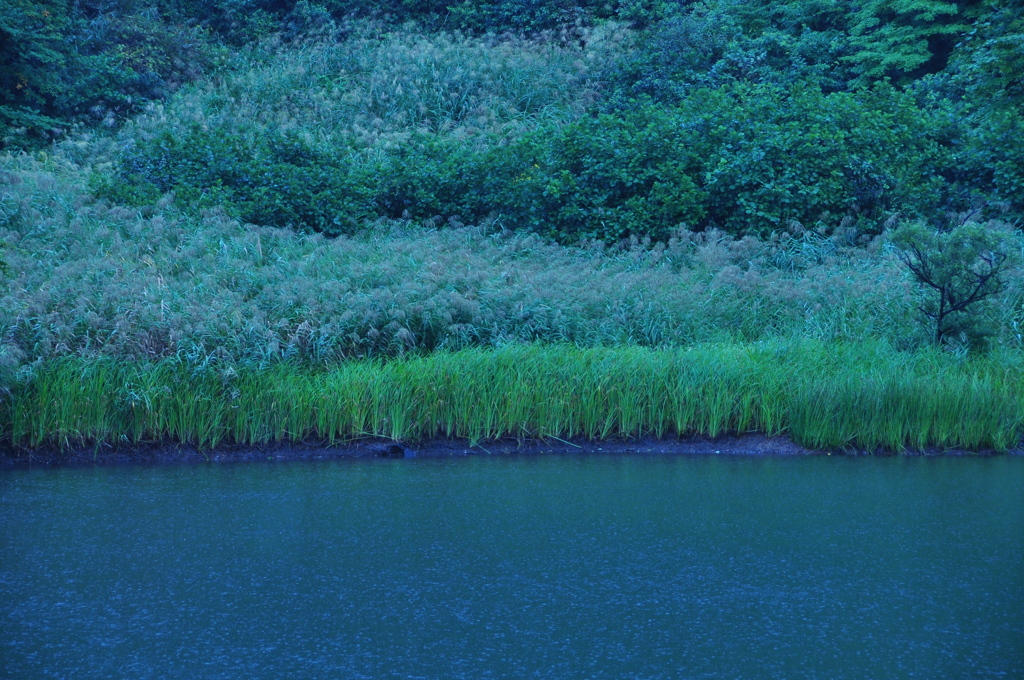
(825, 396)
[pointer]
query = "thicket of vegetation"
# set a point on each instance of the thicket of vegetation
(606, 120)
(242, 183)
(89, 278)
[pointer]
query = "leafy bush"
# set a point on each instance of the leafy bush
(275, 179)
(607, 178)
(818, 159)
(746, 159)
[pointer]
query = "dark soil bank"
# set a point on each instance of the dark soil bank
(106, 454)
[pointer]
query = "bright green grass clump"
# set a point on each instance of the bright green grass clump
(824, 396)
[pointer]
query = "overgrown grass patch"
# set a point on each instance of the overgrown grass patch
(824, 395)
(91, 279)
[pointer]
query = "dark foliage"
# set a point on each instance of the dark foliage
(63, 64)
(745, 116)
(744, 158)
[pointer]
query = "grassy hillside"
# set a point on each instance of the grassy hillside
(290, 186)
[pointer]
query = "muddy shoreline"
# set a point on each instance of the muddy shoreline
(173, 453)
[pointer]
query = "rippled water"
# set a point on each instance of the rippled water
(554, 567)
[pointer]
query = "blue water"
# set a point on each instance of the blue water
(552, 567)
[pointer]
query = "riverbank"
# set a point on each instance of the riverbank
(821, 396)
(750, 444)
(108, 454)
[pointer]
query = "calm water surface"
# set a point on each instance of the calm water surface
(556, 567)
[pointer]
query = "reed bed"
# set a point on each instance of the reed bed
(863, 396)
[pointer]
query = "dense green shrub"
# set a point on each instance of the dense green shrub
(607, 177)
(994, 158)
(275, 179)
(981, 94)
(747, 159)
(819, 159)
